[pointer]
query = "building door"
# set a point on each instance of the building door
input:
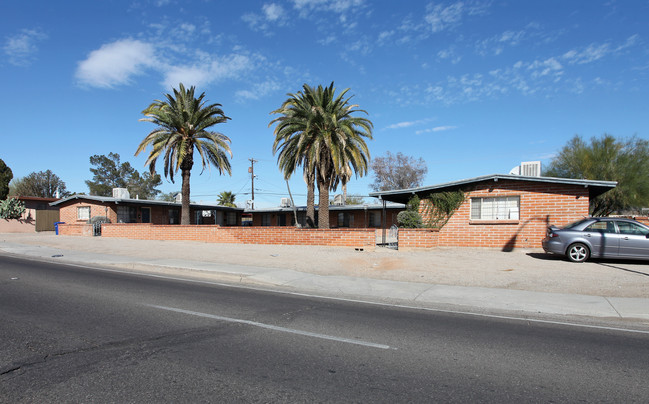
(146, 215)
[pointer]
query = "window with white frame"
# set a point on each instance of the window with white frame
(83, 213)
(495, 208)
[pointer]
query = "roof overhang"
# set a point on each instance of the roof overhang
(595, 188)
(143, 202)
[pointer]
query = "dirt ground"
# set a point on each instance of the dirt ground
(520, 269)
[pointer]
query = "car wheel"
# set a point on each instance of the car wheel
(578, 252)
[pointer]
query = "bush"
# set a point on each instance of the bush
(409, 219)
(11, 209)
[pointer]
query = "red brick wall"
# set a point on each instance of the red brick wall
(68, 211)
(418, 238)
(75, 229)
(540, 206)
(243, 235)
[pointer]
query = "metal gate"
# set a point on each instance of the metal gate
(45, 219)
(389, 238)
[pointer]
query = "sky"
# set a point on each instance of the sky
(472, 87)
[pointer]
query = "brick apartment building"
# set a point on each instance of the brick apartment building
(506, 211)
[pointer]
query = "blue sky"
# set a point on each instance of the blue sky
(472, 87)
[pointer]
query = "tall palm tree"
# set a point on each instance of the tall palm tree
(182, 121)
(318, 132)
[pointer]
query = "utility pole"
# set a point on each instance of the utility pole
(251, 170)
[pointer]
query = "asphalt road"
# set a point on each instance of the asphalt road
(73, 334)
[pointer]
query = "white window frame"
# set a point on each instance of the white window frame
(495, 208)
(86, 213)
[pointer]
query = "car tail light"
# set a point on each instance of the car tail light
(552, 235)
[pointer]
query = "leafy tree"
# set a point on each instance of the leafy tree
(606, 158)
(182, 121)
(226, 198)
(397, 172)
(5, 178)
(43, 184)
(168, 197)
(318, 132)
(110, 173)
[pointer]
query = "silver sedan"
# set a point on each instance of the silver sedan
(599, 237)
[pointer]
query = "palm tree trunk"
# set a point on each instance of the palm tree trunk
(323, 205)
(185, 217)
(310, 199)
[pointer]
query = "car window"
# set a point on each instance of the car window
(575, 224)
(602, 227)
(632, 228)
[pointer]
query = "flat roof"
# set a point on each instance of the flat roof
(117, 201)
(376, 206)
(403, 195)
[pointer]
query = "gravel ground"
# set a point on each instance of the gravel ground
(481, 267)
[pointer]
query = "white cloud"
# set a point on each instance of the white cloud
(258, 91)
(21, 48)
(439, 17)
(406, 124)
(115, 63)
(436, 129)
(273, 12)
(210, 71)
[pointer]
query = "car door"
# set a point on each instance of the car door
(633, 240)
(603, 239)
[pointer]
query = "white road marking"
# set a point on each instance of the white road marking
(274, 327)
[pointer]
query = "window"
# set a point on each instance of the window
(374, 219)
(265, 219)
(345, 220)
(601, 227)
(174, 216)
(498, 208)
(83, 213)
(231, 219)
(281, 219)
(126, 214)
(631, 228)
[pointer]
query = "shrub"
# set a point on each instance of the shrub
(11, 208)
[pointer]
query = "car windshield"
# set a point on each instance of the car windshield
(575, 224)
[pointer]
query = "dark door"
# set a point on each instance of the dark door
(146, 215)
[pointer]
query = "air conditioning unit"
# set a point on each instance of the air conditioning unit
(527, 169)
(285, 203)
(338, 200)
(121, 193)
(178, 198)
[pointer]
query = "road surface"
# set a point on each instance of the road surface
(74, 334)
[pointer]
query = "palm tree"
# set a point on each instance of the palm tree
(318, 132)
(226, 198)
(182, 121)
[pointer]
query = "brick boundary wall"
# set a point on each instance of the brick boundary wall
(242, 235)
(75, 229)
(418, 238)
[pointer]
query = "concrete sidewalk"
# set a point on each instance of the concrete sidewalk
(417, 294)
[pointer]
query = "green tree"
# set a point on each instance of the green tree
(43, 184)
(5, 178)
(11, 208)
(109, 173)
(397, 172)
(317, 130)
(168, 197)
(182, 121)
(226, 198)
(607, 158)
